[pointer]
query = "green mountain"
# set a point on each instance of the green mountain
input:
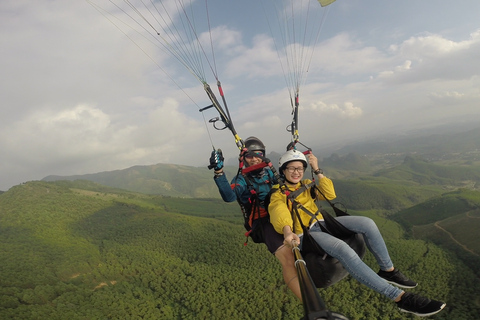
(457, 233)
(165, 179)
(398, 187)
(194, 182)
(435, 144)
(371, 193)
(114, 225)
(451, 220)
(74, 252)
(80, 250)
(428, 173)
(391, 189)
(439, 208)
(404, 185)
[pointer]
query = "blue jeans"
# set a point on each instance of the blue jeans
(349, 258)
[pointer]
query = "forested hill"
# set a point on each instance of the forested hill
(351, 171)
(165, 179)
(79, 250)
(432, 144)
(448, 156)
(429, 173)
(451, 220)
(398, 187)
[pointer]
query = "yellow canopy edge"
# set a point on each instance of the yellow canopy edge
(324, 3)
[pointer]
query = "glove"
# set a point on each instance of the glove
(216, 160)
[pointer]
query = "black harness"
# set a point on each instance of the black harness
(332, 226)
(251, 210)
(324, 269)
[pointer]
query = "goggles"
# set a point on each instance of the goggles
(255, 153)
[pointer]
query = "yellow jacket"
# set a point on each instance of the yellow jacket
(280, 213)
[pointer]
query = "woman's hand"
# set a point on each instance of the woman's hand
(289, 236)
(312, 161)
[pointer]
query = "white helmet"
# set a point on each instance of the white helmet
(292, 155)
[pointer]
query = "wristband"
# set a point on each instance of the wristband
(318, 171)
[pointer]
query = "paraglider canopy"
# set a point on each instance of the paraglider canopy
(324, 3)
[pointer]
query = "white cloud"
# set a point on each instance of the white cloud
(433, 57)
(450, 97)
(342, 55)
(261, 60)
(348, 110)
(225, 39)
(49, 137)
(85, 138)
(78, 96)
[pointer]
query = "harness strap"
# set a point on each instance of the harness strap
(254, 212)
(254, 200)
(332, 226)
(338, 212)
(296, 205)
(299, 191)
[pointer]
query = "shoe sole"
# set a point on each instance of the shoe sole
(424, 314)
(401, 285)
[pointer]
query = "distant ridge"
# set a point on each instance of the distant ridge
(161, 179)
(431, 144)
(447, 157)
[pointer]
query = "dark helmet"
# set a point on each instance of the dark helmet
(254, 144)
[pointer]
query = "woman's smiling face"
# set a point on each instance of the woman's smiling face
(294, 172)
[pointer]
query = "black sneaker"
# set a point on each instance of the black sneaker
(397, 278)
(419, 306)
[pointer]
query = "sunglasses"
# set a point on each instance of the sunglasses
(250, 156)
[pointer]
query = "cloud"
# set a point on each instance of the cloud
(83, 138)
(348, 110)
(449, 97)
(73, 134)
(341, 55)
(411, 82)
(78, 96)
(224, 38)
(433, 57)
(260, 60)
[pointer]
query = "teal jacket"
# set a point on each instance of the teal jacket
(262, 182)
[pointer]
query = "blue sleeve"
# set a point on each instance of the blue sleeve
(229, 195)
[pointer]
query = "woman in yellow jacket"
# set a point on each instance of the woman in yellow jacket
(292, 166)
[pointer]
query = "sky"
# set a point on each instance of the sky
(83, 92)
